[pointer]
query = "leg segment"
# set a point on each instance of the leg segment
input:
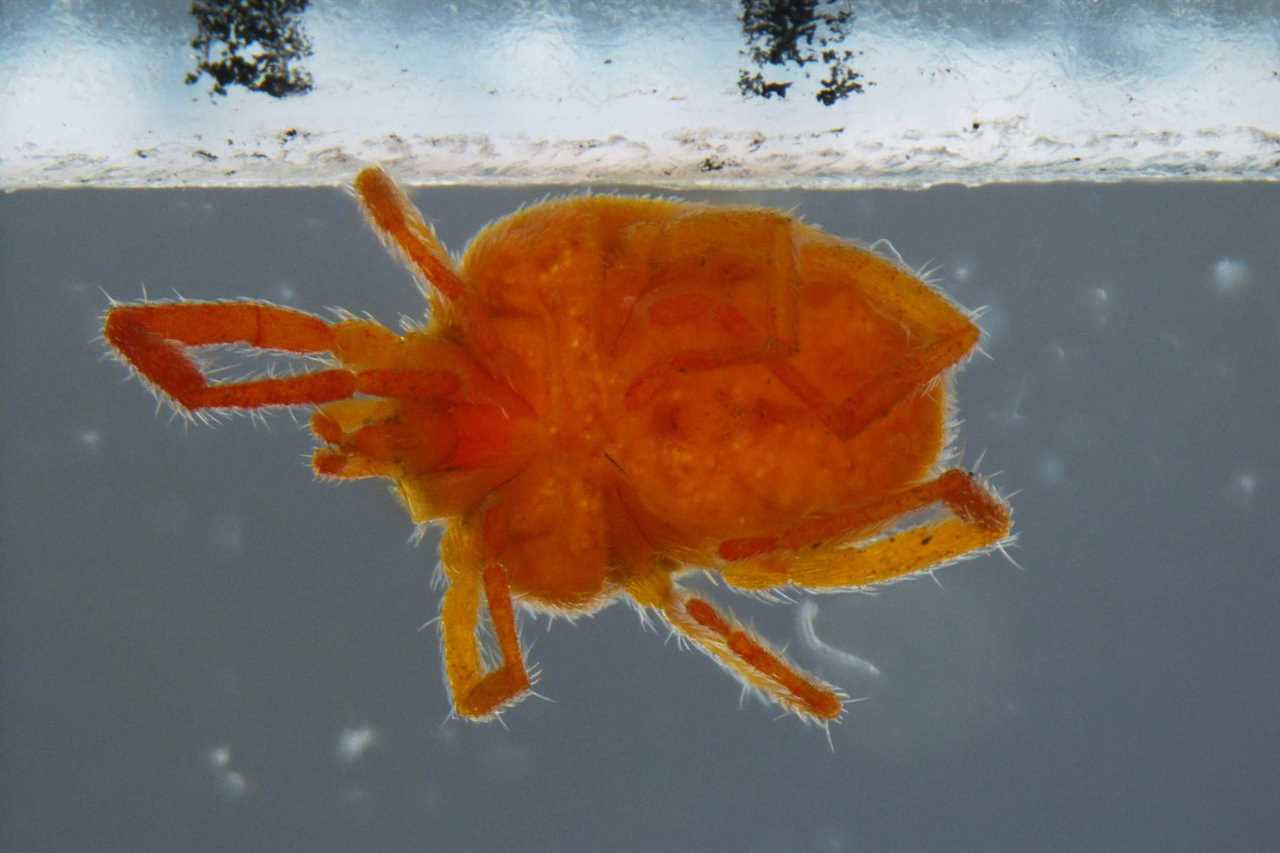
(478, 693)
(152, 337)
(943, 335)
(352, 429)
(396, 220)
(908, 377)
(814, 556)
(738, 650)
(866, 405)
(742, 255)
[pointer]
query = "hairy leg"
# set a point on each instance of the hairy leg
(737, 649)
(398, 222)
(478, 693)
(815, 555)
(152, 338)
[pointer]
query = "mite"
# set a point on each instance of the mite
(610, 392)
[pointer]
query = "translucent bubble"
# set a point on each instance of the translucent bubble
(355, 742)
(1242, 489)
(232, 784)
(1099, 305)
(1231, 276)
(218, 756)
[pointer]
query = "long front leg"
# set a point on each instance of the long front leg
(153, 337)
(478, 693)
(397, 221)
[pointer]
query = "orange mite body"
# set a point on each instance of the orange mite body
(611, 391)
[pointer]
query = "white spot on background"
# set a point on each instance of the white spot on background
(218, 757)
(1231, 276)
(1243, 487)
(231, 782)
(1100, 305)
(355, 742)
(234, 785)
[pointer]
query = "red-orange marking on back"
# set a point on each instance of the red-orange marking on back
(679, 308)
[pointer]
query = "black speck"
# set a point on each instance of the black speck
(205, 155)
(255, 42)
(782, 33)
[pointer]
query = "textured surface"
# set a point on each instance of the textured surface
(516, 92)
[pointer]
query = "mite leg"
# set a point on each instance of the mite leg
(478, 693)
(950, 334)
(738, 650)
(942, 333)
(335, 424)
(397, 221)
(386, 437)
(945, 335)
(814, 555)
(709, 249)
(910, 376)
(152, 339)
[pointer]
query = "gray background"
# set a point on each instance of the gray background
(190, 623)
